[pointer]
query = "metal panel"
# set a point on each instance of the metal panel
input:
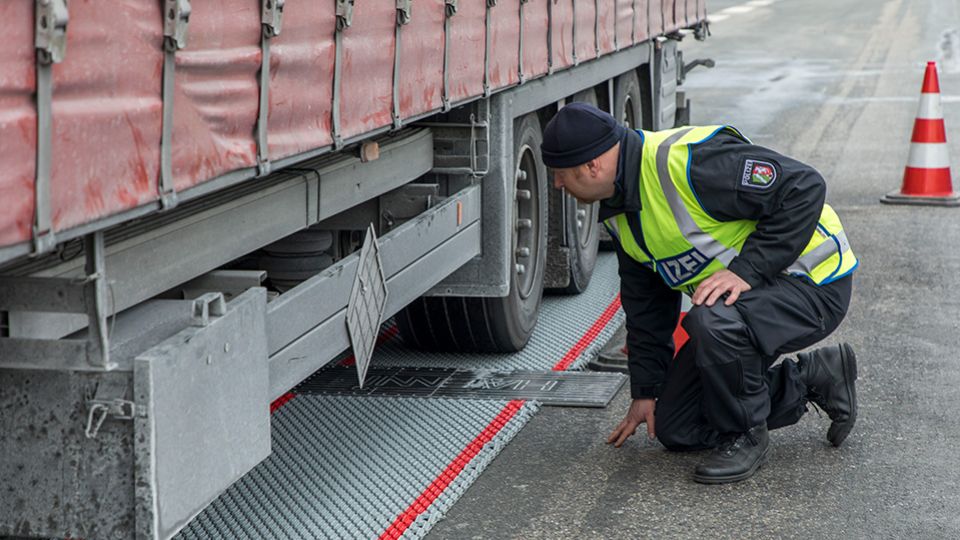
(106, 158)
(504, 44)
(368, 54)
(421, 59)
(489, 275)
(18, 123)
(217, 92)
(301, 81)
(187, 452)
(586, 29)
(559, 388)
(536, 27)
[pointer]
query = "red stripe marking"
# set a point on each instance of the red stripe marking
(588, 338)
(931, 82)
(919, 182)
(453, 469)
(441, 482)
(927, 130)
(281, 401)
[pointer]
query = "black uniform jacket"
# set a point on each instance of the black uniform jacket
(786, 208)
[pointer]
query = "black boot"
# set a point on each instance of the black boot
(830, 375)
(735, 458)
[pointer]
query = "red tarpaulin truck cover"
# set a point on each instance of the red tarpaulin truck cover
(107, 93)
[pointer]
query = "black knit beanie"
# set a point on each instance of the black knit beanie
(578, 133)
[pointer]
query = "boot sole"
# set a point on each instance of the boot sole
(729, 479)
(838, 432)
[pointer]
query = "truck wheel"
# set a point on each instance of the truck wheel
(496, 324)
(627, 109)
(583, 231)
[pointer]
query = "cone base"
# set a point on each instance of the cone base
(896, 197)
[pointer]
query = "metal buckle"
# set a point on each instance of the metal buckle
(272, 17)
(404, 11)
(51, 30)
(175, 21)
(451, 7)
(344, 14)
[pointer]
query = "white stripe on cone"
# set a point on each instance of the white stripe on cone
(929, 156)
(930, 108)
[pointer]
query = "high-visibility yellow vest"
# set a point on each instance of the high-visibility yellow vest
(684, 244)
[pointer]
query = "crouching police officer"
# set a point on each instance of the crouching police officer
(745, 232)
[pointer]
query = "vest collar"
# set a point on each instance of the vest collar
(626, 197)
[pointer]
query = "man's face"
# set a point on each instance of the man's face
(593, 181)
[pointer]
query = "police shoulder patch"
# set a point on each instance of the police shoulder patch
(758, 174)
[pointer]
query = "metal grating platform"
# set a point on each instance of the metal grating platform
(561, 388)
(563, 322)
(346, 468)
(388, 467)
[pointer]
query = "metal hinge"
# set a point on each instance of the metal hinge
(451, 7)
(175, 20)
(271, 17)
(491, 3)
(404, 12)
(344, 14)
(51, 32)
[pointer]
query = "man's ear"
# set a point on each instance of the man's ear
(593, 166)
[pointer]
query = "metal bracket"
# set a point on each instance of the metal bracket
(368, 300)
(175, 21)
(701, 31)
(50, 39)
(271, 16)
(491, 3)
(450, 7)
(404, 11)
(344, 14)
(211, 303)
(109, 400)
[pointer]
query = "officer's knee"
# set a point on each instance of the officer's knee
(716, 324)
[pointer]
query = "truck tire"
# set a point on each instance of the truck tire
(502, 324)
(582, 229)
(628, 110)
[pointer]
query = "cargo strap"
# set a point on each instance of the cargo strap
(50, 42)
(271, 19)
(176, 19)
(450, 10)
(344, 20)
(404, 12)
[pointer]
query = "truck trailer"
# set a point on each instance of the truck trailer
(203, 202)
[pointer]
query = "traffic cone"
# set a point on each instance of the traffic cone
(926, 179)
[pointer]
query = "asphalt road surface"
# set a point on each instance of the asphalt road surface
(835, 84)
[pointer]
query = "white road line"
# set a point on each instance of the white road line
(725, 14)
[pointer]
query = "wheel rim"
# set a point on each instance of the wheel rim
(629, 119)
(586, 220)
(526, 209)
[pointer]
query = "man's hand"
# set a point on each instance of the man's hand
(720, 283)
(641, 411)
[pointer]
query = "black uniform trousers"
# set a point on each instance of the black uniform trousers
(722, 380)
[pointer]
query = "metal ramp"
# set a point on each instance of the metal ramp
(390, 467)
